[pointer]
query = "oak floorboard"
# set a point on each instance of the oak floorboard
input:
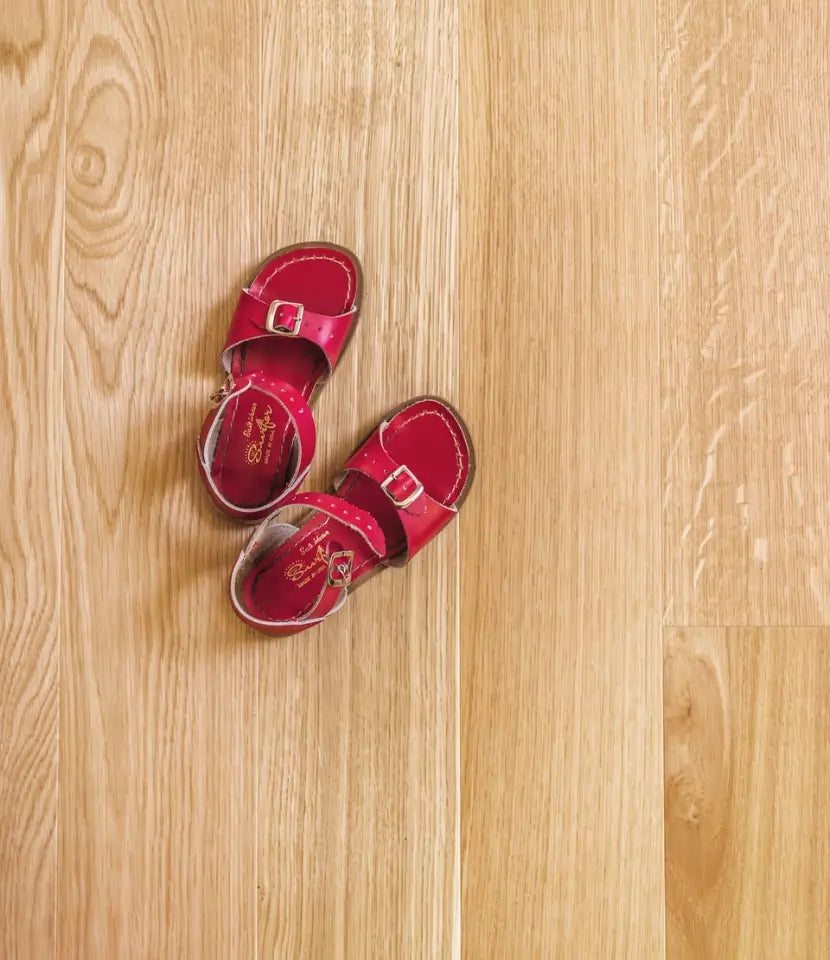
(744, 287)
(747, 754)
(562, 852)
(157, 839)
(32, 74)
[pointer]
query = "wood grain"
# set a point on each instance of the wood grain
(158, 686)
(744, 254)
(747, 755)
(561, 747)
(601, 229)
(358, 785)
(31, 315)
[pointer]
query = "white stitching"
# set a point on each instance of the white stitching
(358, 570)
(279, 265)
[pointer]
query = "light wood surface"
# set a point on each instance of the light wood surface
(747, 755)
(598, 228)
(562, 849)
(31, 312)
(745, 288)
(157, 819)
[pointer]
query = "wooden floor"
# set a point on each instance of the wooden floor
(592, 720)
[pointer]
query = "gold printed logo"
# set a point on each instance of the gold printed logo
(260, 447)
(314, 562)
(300, 571)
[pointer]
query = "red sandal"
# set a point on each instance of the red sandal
(291, 325)
(397, 491)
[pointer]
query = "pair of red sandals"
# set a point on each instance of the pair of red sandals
(401, 486)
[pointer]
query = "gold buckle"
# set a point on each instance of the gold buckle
(341, 561)
(272, 327)
(419, 487)
(219, 395)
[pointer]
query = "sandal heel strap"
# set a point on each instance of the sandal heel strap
(334, 591)
(305, 437)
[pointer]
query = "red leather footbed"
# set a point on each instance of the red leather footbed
(324, 280)
(285, 583)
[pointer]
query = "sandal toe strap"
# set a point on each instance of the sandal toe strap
(255, 318)
(420, 516)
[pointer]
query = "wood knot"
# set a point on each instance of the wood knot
(89, 164)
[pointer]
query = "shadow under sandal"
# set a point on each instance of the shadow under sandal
(403, 485)
(291, 325)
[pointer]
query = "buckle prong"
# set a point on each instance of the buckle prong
(398, 472)
(340, 568)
